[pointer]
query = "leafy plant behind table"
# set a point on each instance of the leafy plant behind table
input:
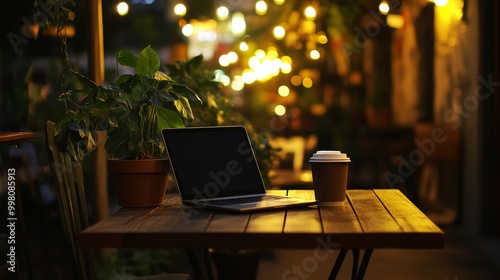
(216, 108)
(132, 110)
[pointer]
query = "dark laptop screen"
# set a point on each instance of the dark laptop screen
(213, 161)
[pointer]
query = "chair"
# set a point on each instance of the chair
(72, 203)
(297, 147)
(73, 210)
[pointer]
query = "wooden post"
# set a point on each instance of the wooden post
(96, 73)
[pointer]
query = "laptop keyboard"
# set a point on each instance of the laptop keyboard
(239, 200)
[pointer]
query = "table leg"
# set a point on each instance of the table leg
(338, 264)
(355, 261)
(201, 269)
(364, 263)
(358, 270)
(208, 264)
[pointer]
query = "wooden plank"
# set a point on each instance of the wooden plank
(192, 220)
(371, 213)
(109, 233)
(267, 222)
(303, 220)
(228, 223)
(122, 220)
(340, 219)
(406, 214)
(15, 137)
(161, 220)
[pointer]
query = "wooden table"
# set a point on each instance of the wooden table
(370, 219)
(15, 138)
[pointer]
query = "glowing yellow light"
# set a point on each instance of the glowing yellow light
(307, 82)
(224, 60)
(310, 13)
(286, 67)
(261, 7)
(440, 3)
(280, 110)
(187, 30)
(243, 46)
(314, 54)
(296, 80)
(279, 2)
(180, 10)
(233, 57)
(286, 59)
(279, 32)
(260, 54)
(277, 63)
(283, 91)
(222, 13)
(237, 84)
(383, 7)
(254, 63)
(275, 67)
(272, 53)
(225, 80)
(122, 8)
(238, 24)
(322, 39)
(248, 76)
(395, 21)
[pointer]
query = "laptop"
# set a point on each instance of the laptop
(215, 168)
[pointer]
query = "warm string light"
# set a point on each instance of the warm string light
(260, 65)
(122, 8)
(180, 10)
(383, 7)
(222, 13)
(261, 7)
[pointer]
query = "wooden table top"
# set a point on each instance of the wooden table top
(14, 138)
(380, 218)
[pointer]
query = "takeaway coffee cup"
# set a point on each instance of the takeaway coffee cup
(329, 171)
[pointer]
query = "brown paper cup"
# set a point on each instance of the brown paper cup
(330, 182)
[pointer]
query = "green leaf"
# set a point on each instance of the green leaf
(160, 76)
(64, 96)
(164, 94)
(183, 107)
(148, 62)
(186, 92)
(195, 62)
(168, 118)
(86, 82)
(123, 79)
(126, 58)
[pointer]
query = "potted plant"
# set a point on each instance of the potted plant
(132, 111)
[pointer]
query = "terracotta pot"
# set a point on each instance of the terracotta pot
(139, 183)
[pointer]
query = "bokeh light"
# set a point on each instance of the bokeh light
(122, 8)
(222, 13)
(180, 10)
(279, 32)
(261, 7)
(383, 7)
(280, 110)
(283, 91)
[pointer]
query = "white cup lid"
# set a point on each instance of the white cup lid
(329, 156)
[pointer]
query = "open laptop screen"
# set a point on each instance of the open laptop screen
(211, 162)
